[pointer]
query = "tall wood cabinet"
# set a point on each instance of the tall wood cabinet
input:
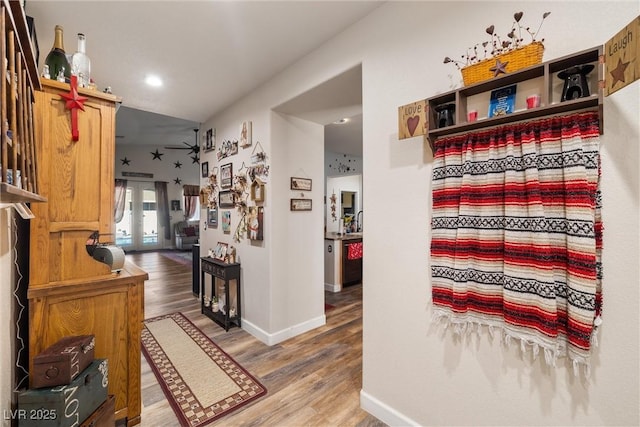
(69, 292)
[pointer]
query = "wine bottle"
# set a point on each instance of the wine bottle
(81, 64)
(56, 59)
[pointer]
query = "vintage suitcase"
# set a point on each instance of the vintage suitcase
(104, 416)
(66, 405)
(61, 362)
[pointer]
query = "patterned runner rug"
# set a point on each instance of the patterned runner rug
(201, 382)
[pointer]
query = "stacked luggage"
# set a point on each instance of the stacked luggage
(68, 387)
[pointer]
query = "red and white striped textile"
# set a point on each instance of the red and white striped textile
(517, 234)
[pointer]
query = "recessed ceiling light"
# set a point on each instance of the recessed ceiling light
(152, 80)
(341, 121)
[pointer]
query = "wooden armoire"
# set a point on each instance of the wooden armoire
(69, 292)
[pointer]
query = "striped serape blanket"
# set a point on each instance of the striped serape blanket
(517, 234)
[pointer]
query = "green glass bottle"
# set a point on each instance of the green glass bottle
(57, 59)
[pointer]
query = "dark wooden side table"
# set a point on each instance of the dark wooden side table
(228, 312)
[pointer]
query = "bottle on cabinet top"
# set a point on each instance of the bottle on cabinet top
(56, 59)
(81, 64)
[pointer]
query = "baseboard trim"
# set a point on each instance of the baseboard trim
(332, 287)
(383, 412)
(285, 334)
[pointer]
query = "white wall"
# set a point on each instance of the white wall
(411, 373)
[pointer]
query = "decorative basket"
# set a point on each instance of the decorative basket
(517, 59)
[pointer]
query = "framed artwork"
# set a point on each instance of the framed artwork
(226, 199)
(245, 134)
(227, 148)
(300, 204)
(175, 205)
(301, 184)
(226, 175)
(255, 221)
(212, 217)
(220, 251)
(210, 139)
(205, 169)
(226, 221)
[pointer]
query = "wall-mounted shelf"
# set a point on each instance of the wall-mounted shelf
(18, 83)
(541, 78)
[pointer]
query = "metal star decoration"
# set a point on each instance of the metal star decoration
(177, 181)
(125, 161)
(74, 102)
(178, 165)
(499, 68)
(618, 72)
(157, 155)
(195, 159)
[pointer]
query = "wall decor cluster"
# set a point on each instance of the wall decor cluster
(346, 164)
(242, 188)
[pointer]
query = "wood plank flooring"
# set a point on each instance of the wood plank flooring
(313, 379)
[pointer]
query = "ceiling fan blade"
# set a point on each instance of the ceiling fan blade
(176, 147)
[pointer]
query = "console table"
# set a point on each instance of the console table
(228, 311)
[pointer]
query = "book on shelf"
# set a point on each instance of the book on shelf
(502, 101)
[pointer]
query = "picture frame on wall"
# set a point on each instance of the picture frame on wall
(226, 175)
(245, 134)
(255, 220)
(210, 139)
(175, 205)
(205, 169)
(226, 222)
(226, 199)
(300, 184)
(212, 217)
(300, 204)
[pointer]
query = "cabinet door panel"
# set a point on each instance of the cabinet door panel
(104, 316)
(77, 178)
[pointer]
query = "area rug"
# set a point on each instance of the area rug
(180, 257)
(202, 383)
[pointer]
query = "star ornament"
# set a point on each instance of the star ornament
(499, 68)
(177, 181)
(157, 155)
(618, 72)
(125, 161)
(178, 165)
(74, 102)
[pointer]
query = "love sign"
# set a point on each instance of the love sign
(412, 120)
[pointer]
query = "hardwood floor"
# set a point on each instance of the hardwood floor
(313, 379)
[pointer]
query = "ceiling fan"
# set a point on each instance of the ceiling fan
(195, 148)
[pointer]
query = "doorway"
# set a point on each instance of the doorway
(138, 229)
